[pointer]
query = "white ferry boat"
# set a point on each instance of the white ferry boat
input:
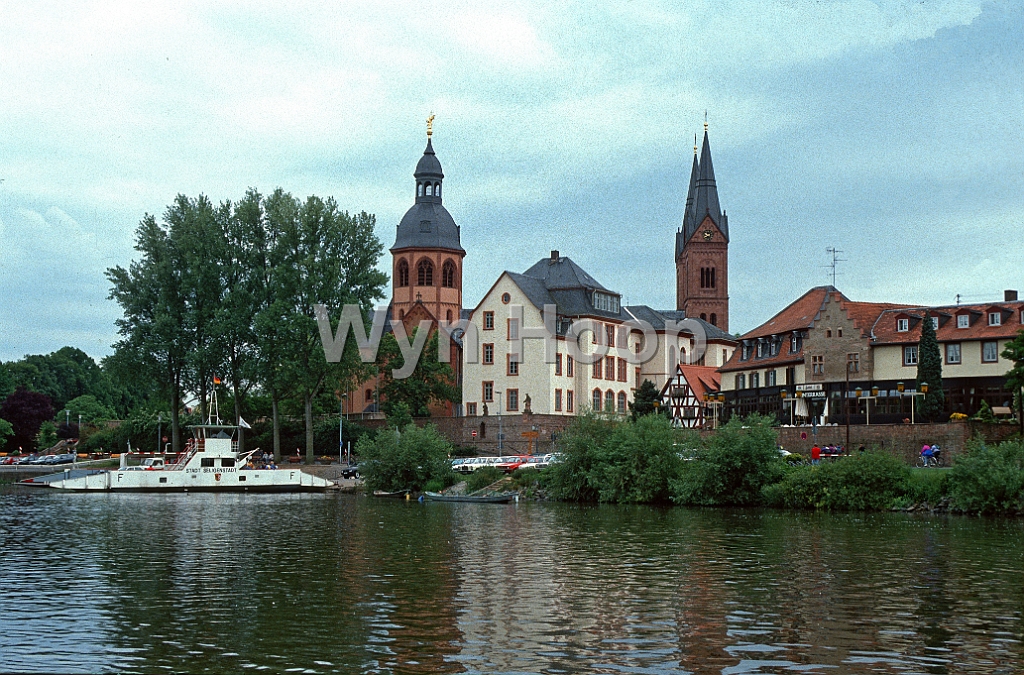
(210, 463)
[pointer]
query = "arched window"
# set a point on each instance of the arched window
(621, 407)
(714, 319)
(448, 274)
(448, 316)
(401, 315)
(430, 189)
(419, 189)
(597, 400)
(703, 316)
(403, 272)
(369, 394)
(437, 189)
(609, 401)
(425, 273)
(712, 277)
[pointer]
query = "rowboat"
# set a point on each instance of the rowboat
(500, 498)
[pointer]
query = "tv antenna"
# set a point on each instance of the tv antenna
(834, 252)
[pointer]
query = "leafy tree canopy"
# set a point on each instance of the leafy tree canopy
(62, 375)
(6, 431)
(643, 401)
(432, 381)
(1015, 378)
(26, 411)
(409, 459)
(89, 408)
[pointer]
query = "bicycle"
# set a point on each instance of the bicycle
(935, 461)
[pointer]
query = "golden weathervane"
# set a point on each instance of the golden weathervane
(430, 125)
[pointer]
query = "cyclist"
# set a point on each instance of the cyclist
(926, 453)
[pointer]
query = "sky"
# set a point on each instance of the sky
(893, 131)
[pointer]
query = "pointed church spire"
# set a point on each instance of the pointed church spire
(706, 197)
(689, 224)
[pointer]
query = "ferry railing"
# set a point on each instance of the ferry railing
(191, 448)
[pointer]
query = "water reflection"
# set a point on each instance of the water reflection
(325, 583)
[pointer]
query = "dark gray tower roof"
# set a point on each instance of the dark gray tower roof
(428, 224)
(689, 226)
(705, 201)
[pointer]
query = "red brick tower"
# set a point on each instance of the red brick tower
(702, 247)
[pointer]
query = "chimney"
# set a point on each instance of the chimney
(554, 259)
(1009, 296)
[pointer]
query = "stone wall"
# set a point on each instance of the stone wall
(902, 440)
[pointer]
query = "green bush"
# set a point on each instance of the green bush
(927, 486)
(988, 479)
(409, 460)
(868, 481)
(483, 477)
(616, 461)
(732, 466)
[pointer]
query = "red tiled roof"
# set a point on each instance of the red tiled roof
(701, 379)
(798, 315)
(884, 329)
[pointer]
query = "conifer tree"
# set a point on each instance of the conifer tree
(929, 370)
(1015, 378)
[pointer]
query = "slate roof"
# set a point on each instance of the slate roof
(428, 224)
(701, 198)
(884, 331)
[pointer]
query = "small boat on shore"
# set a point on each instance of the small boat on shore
(397, 494)
(500, 498)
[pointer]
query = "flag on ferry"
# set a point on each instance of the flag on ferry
(242, 423)
(216, 380)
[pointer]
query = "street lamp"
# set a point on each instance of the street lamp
(501, 432)
(341, 425)
(900, 387)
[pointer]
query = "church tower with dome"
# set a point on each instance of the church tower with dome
(426, 273)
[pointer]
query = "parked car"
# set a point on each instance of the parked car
(351, 471)
(39, 459)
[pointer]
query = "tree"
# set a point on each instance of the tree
(6, 430)
(62, 375)
(89, 409)
(47, 436)
(432, 381)
(644, 399)
(1015, 377)
(26, 411)
(929, 370)
(409, 459)
(6, 381)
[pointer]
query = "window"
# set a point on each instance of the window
(622, 370)
(430, 190)
(828, 333)
(741, 381)
(609, 401)
(227, 462)
(744, 352)
(609, 334)
(471, 409)
(558, 400)
(448, 274)
(995, 318)
(419, 190)
(840, 332)
(935, 323)
(636, 377)
(606, 303)
(505, 298)
(206, 462)
(403, 273)
(773, 347)
(794, 344)
(569, 401)
(598, 370)
(609, 367)
(163, 479)
(620, 405)
(714, 319)
(707, 277)
(448, 316)
(512, 396)
(989, 352)
(489, 354)
(513, 329)
(755, 380)
(437, 189)
(569, 362)
(963, 320)
(369, 395)
(769, 378)
(902, 325)
(488, 392)
(513, 364)
(818, 365)
(488, 320)
(953, 353)
(558, 364)
(597, 400)
(853, 363)
(910, 355)
(425, 273)
(760, 347)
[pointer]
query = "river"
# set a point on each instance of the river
(344, 583)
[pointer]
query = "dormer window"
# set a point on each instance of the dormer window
(606, 302)
(773, 348)
(744, 353)
(902, 325)
(963, 320)
(794, 344)
(760, 348)
(995, 318)
(935, 323)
